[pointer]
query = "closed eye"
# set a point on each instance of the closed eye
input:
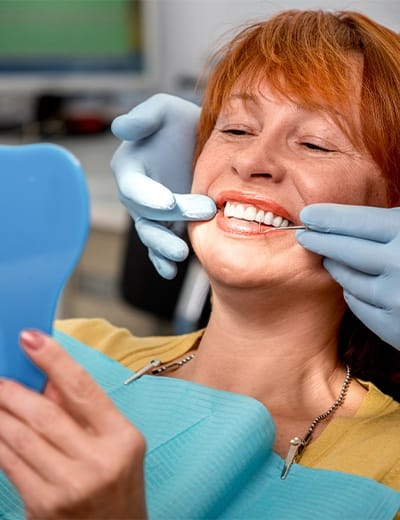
(313, 146)
(234, 131)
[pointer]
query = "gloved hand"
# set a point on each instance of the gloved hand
(154, 162)
(361, 246)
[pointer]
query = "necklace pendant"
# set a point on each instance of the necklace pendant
(296, 444)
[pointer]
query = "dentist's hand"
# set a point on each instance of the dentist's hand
(361, 246)
(150, 166)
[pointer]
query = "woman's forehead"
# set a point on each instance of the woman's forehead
(252, 97)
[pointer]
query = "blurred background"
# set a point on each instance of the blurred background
(68, 67)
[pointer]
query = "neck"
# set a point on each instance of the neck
(280, 358)
(286, 359)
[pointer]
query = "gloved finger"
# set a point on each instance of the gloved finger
(378, 224)
(364, 287)
(380, 321)
(164, 267)
(161, 240)
(194, 207)
(134, 185)
(188, 207)
(142, 121)
(359, 254)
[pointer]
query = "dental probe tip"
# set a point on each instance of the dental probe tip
(287, 228)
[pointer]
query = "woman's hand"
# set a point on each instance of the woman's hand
(153, 162)
(361, 246)
(69, 452)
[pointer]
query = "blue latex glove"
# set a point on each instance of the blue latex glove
(361, 246)
(154, 162)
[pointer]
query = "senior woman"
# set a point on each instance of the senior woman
(272, 410)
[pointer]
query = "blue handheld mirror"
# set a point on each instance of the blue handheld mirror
(44, 223)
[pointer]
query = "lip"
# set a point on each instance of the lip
(253, 199)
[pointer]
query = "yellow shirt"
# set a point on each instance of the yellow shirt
(367, 444)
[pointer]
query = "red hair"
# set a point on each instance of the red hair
(308, 56)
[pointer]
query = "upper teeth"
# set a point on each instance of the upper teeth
(246, 212)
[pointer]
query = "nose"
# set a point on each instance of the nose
(258, 157)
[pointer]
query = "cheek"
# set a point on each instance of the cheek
(199, 238)
(377, 193)
(199, 183)
(358, 185)
(207, 168)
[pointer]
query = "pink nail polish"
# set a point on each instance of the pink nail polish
(32, 339)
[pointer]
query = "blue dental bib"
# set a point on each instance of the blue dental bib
(210, 456)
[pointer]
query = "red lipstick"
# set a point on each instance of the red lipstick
(259, 201)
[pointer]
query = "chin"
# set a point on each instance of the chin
(255, 262)
(234, 274)
(239, 262)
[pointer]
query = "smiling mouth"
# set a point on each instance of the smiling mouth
(251, 213)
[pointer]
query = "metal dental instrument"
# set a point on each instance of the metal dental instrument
(287, 228)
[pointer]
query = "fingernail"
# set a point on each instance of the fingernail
(32, 339)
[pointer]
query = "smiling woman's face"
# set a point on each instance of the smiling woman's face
(265, 160)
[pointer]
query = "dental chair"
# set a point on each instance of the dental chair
(183, 301)
(44, 222)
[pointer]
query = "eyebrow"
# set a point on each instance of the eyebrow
(244, 97)
(249, 101)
